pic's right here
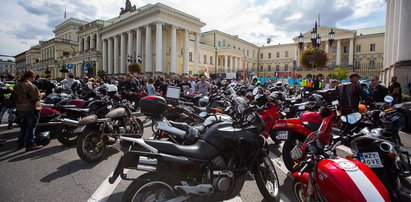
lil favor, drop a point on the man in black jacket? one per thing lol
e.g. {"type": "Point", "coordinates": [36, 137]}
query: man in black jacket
{"type": "Point", "coordinates": [378, 89]}
{"type": "Point", "coordinates": [349, 95]}
{"type": "Point", "coordinates": [128, 88]}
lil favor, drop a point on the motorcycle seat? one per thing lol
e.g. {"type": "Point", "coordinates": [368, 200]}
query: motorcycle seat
{"type": "Point", "coordinates": [198, 150]}
{"type": "Point", "coordinates": [311, 126]}
{"type": "Point", "coordinates": [186, 127]}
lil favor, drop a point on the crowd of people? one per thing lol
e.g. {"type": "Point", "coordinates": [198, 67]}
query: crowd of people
{"type": "Point", "coordinates": [23, 94]}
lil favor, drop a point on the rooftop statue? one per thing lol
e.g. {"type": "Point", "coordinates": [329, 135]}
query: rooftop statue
{"type": "Point", "coordinates": [129, 8]}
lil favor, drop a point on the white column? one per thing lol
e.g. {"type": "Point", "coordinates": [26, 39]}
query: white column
{"type": "Point", "coordinates": [387, 19]}
{"type": "Point", "coordinates": [138, 43]}
{"type": "Point", "coordinates": [185, 60]}
{"type": "Point", "coordinates": [105, 55]}
{"type": "Point", "coordinates": [116, 55]}
{"type": "Point", "coordinates": [404, 48]}
{"type": "Point", "coordinates": [149, 52]}
{"type": "Point", "coordinates": [81, 47]}
{"type": "Point", "coordinates": [338, 62]}
{"type": "Point", "coordinates": [110, 56]}
{"type": "Point", "coordinates": [85, 44]}
{"type": "Point", "coordinates": [396, 30]}
{"type": "Point", "coordinates": [159, 46]}
{"type": "Point", "coordinates": [196, 52]}
{"type": "Point", "coordinates": [164, 53]}
{"type": "Point", "coordinates": [130, 46]}
{"type": "Point", "coordinates": [92, 45]}
{"type": "Point", "coordinates": [351, 52]}
{"type": "Point", "coordinates": [389, 33]}
{"type": "Point", "coordinates": [98, 42]}
{"type": "Point", "coordinates": [123, 59]}
{"type": "Point", "coordinates": [225, 63]}
{"type": "Point", "coordinates": [173, 54]}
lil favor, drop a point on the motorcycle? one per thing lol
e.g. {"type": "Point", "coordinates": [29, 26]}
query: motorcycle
{"type": "Point", "coordinates": [214, 168]}
{"type": "Point", "coordinates": [97, 133]}
{"type": "Point", "coordinates": [322, 176]}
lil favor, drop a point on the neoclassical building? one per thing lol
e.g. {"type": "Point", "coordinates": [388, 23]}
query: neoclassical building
{"type": "Point", "coordinates": [169, 42]}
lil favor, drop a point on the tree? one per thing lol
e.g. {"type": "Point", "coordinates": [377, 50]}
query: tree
{"type": "Point", "coordinates": [313, 58]}
{"type": "Point", "coordinates": [134, 68]}
{"type": "Point", "coordinates": [101, 73]}
{"type": "Point", "coordinates": [339, 73]}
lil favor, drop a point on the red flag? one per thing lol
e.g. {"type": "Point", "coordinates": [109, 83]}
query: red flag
{"type": "Point", "coordinates": [65, 15]}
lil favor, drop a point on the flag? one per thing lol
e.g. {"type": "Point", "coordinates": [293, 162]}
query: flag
{"type": "Point", "coordinates": [65, 14]}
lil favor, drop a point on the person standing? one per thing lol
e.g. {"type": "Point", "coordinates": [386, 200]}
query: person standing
{"type": "Point", "coordinates": [394, 90]}
{"type": "Point", "coordinates": [203, 86]}
{"type": "Point", "coordinates": [192, 85]}
{"type": "Point", "coordinates": [28, 104]}
{"type": "Point", "coordinates": [48, 86]}
{"type": "Point", "coordinates": [151, 90]}
{"type": "Point", "coordinates": [377, 89]}
{"type": "Point", "coordinates": [349, 95]}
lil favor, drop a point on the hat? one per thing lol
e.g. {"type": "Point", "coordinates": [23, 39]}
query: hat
{"type": "Point", "coordinates": [355, 75]}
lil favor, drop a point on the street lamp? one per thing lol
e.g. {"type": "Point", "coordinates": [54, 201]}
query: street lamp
{"type": "Point", "coordinates": [331, 36]}
{"type": "Point", "coordinates": [301, 40]}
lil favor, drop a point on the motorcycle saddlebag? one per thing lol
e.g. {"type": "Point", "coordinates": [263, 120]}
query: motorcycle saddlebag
{"type": "Point", "coordinates": [153, 106]}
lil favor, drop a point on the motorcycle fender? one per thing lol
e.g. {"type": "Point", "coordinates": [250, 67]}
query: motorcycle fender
{"type": "Point", "coordinates": [304, 177]}
{"type": "Point", "coordinates": [292, 125]}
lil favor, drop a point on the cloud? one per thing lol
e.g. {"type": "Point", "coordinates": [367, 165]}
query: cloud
{"type": "Point", "coordinates": [25, 22]}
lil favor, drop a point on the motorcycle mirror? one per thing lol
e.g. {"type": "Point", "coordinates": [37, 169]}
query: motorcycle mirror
{"type": "Point", "coordinates": [343, 119]}
{"type": "Point", "coordinates": [255, 91]}
{"type": "Point", "coordinates": [91, 99]}
{"type": "Point", "coordinates": [203, 114]}
{"type": "Point", "coordinates": [302, 107]}
{"type": "Point", "coordinates": [307, 92]}
{"type": "Point", "coordinates": [335, 102]}
{"type": "Point", "coordinates": [388, 99]}
{"type": "Point", "coordinates": [353, 118]}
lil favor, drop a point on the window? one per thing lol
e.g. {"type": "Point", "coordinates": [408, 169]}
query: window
{"type": "Point", "coordinates": [372, 47]}
{"type": "Point", "coordinates": [211, 60]}
{"type": "Point", "coordinates": [334, 49]}
{"type": "Point", "coordinates": [261, 56]}
{"type": "Point", "coordinates": [269, 68]}
{"type": "Point", "coordinates": [223, 43]}
{"type": "Point", "coordinates": [357, 64]}
{"type": "Point", "coordinates": [333, 64]}
{"type": "Point", "coordinates": [234, 47]}
{"type": "Point", "coordinates": [286, 54]}
{"type": "Point", "coordinates": [269, 55]}
{"type": "Point", "coordinates": [248, 53]}
{"type": "Point", "coordinates": [277, 54]}
{"type": "Point", "coordinates": [219, 62]}
{"type": "Point", "coordinates": [345, 49]}
{"type": "Point", "coordinates": [277, 68]}
{"type": "Point", "coordinates": [228, 45]}
{"type": "Point", "coordinates": [371, 64]}
{"type": "Point", "coordinates": [253, 54]}
{"type": "Point", "coordinates": [219, 43]}
{"type": "Point", "coordinates": [286, 67]}
{"type": "Point", "coordinates": [190, 56]}
{"type": "Point", "coordinates": [261, 68]}
{"type": "Point", "coordinates": [358, 48]}
{"type": "Point", "coordinates": [205, 59]}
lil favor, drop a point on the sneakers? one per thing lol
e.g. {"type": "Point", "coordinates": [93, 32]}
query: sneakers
{"type": "Point", "coordinates": [33, 147]}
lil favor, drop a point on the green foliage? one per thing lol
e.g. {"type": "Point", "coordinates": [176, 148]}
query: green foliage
{"type": "Point", "coordinates": [64, 69]}
{"type": "Point", "coordinates": [313, 58]}
{"type": "Point", "coordinates": [406, 98]}
{"type": "Point", "coordinates": [101, 73]}
{"type": "Point", "coordinates": [43, 75]}
{"type": "Point", "coordinates": [339, 73]}
{"type": "Point", "coordinates": [134, 68]}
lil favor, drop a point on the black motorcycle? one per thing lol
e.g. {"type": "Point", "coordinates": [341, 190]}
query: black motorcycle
{"type": "Point", "coordinates": [214, 168]}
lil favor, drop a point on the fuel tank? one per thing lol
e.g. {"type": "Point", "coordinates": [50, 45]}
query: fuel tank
{"type": "Point", "coordinates": [349, 180]}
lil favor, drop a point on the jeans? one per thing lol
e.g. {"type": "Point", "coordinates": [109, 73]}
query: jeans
{"type": "Point", "coordinates": [28, 126]}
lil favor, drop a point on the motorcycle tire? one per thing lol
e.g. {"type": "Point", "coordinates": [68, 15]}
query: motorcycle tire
{"type": "Point", "coordinates": [298, 190]}
{"type": "Point", "coordinates": [65, 135]}
{"type": "Point", "coordinates": [139, 127]}
{"type": "Point", "coordinates": [148, 185]}
{"type": "Point", "coordinates": [262, 181]}
{"type": "Point", "coordinates": [388, 180]}
{"type": "Point", "coordinates": [84, 139]}
{"type": "Point", "coordinates": [287, 147]}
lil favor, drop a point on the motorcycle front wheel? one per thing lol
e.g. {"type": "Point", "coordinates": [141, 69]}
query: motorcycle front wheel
{"type": "Point", "coordinates": [267, 179]}
{"type": "Point", "coordinates": [90, 145]}
{"type": "Point", "coordinates": [299, 190]}
{"type": "Point", "coordinates": [148, 188]}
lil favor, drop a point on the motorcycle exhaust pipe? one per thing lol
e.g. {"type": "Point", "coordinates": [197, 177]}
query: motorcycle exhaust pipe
{"type": "Point", "coordinates": [48, 124]}
{"type": "Point", "coordinates": [146, 168]}
{"type": "Point", "coordinates": [386, 147]}
{"type": "Point", "coordinates": [69, 122]}
{"type": "Point", "coordinates": [111, 140]}
{"type": "Point", "coordinates": [147, 161]}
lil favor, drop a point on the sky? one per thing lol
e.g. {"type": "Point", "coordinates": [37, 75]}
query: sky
{"type": "Point", "coordinates": [24, 22]}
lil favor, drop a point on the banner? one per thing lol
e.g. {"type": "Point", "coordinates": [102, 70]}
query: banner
{"type": "Point", "coordinates": [69, 66]}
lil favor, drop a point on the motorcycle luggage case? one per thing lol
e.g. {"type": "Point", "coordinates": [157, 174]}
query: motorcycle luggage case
{"type": "Point", "coordinates": [153, 106]}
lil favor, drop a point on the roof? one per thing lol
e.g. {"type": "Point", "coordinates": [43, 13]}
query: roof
{"type": "Point", "coordinates": [235, 37]}
{"type": "Point", "coordinates": [372, 30]}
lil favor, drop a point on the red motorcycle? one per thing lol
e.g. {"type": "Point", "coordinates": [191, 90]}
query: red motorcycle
{"type": "Point", "coordinates": [294, 131]}
{"type": "Point", "coordinates": [322, 176]}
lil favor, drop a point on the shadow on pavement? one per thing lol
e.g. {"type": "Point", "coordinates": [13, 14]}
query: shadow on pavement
{"type": "Point", "coordinates": [114, 197]}
{"type": "Point", "coordinates": [68, 169]}
{"type": "Point", "coordinates": [275, 149]}
{"type": "Point", "coordinates": [43, 152]}
{"type": "Point", "coordinates": [287, 188]}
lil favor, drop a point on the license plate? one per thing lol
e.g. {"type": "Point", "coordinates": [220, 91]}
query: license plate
{"type": "Point", "coordinates": [79, 129]}
{"type": "Point", "coordinates": [287, 110]}
{"type": "Point", "coordinates": [371, 159]}
{"type": "Point", "coordinates": [282, 135]}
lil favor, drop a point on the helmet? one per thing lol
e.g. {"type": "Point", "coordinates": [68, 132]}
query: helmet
{"type": "Point", "coordinates": [43, 138]}
{"type": "Point", "coordinates": [319, 99]}
{"type": "Point", "coordinates": [362, 108]}
{"type": "Point", "coordinates": [202, 102]}
{"type": "Point", "coordinates": [111, 89]}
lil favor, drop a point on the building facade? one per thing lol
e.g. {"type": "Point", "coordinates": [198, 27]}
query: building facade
{"type": "Point", "coordinates": [20, 62]}
{"type": "Point", "coordinates": [7, 66]}
{"type": "Point", "coordinates": [171, 42]}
